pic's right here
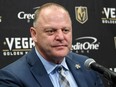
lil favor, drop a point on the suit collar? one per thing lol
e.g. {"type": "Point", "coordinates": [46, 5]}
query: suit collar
{"type": "Point", "coordinates": [76, 71]}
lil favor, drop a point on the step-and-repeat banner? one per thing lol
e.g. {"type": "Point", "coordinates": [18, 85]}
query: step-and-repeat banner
{"type": "Point", "coordinates": [94, 29]}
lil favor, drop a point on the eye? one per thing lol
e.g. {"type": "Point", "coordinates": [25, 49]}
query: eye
{"type": "Point", "coordinates": [50, 31]}
{"type": "Point", "coordinates": [65, 30]}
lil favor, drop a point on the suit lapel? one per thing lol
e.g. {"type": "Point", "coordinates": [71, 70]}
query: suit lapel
{"type": "Point", "coordinates": [76, 70]}
{"type": "Point", "coordinates": [41, 75]}
{"type": "Point", "coordinates": [38, 70]}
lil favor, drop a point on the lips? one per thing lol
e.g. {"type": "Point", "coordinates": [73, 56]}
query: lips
{"type": "Point", "coordinates": [60, 46]}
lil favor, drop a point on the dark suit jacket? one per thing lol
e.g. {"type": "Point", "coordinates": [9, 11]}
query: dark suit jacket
{"type": "Point", "coordinates": [28, 71]}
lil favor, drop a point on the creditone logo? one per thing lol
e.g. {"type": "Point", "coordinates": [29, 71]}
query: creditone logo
{"type": "Point", "coordinates": [0, 18]}
{"type": "Point", "coordinates": [115, 42]}
{"type": "Point", "coordinates": [113, 69]}
{"type": "Point", "coordinates": [85, 44]}
{"type": "Point", "coordinates": [17, 46]}
{"type": "Point", "coordinates": [25, 16]}
{"type": "Point", "coordinates": [81, 14]}
{"type": "Point", "coordinates": [109, 15]}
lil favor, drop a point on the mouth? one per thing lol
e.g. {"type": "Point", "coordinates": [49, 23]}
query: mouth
{"type": "Point", "coordinates": [60, 46]}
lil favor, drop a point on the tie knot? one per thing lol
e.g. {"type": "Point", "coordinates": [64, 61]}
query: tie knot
{"type": "Point", "coordinates": [59, 69]}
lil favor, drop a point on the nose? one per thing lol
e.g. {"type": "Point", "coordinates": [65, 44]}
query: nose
{"type": "Point", "coordinates": [60, 35]}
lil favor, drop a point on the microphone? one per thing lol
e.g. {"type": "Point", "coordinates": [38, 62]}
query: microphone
{"type": "Point", "coordinates": [108, 74]}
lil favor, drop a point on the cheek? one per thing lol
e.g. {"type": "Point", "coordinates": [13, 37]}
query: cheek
{"type": "Point", "coordinates": [44, 40]}
{"type": "Point", "coordinates": [69, 38]}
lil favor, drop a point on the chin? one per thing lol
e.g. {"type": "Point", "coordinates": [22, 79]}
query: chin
{"type": "Point", "coordinates": [60, 55]}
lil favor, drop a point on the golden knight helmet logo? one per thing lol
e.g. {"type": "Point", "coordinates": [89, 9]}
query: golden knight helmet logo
{"type": "Point", "coordinates": [81, 14]}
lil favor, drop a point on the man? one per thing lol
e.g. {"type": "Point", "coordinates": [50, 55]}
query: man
{"type": "Point", "coordinates": [52, 34]}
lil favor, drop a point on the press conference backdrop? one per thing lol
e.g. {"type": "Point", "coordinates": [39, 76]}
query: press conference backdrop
{"type": "Point", "coordinates": [94, 29]}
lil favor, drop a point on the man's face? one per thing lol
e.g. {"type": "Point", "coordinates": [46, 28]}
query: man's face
{"type": "Point", "coordinates": [53, 35]}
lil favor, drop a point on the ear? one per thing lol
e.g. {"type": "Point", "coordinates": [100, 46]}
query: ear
{"type": "Point", "coordinates": [33, 33]}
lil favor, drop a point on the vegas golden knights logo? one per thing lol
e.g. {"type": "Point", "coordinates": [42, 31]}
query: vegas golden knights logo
{"type": "Point", "coordinates": [81, 14]}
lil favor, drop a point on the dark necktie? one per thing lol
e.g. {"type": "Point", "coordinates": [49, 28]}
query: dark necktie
{"type": "Point", "coordinates": [62, 78]}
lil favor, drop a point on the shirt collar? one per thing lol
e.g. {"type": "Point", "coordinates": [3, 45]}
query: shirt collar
{"type": "Point", "coordinates": [49, 66]}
